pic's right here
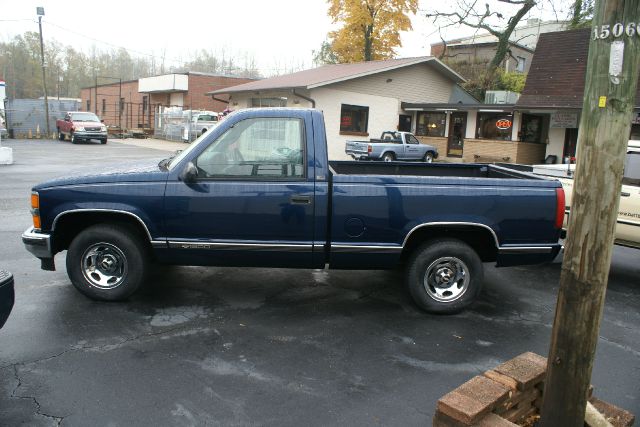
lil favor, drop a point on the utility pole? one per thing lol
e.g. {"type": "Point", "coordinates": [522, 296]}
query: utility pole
{"type": "Point", "coordinates": [40, 11]}
{"type": "Point", "coordinates": [609, 98]}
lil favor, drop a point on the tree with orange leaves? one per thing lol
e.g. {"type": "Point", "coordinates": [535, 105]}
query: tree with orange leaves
{"type": "Point", "coordinates": [371, 28]}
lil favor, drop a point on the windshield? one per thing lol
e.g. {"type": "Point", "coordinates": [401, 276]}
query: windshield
{"type": "Point", "coordinates": [175, 160]}
{"type": "Point", "coordinates": [85, 117]}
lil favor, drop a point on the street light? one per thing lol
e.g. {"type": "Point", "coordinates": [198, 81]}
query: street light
{"type": "Point", "coordinates": [40, 12]}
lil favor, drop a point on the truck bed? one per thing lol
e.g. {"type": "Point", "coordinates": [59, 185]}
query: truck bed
{"type": "Point", "coordinates": [470, 170]}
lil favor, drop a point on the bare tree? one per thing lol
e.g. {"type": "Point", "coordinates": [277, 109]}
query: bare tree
{"type": "Point", "coordinates": [473, 15]}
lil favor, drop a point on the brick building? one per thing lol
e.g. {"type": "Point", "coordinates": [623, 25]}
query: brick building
{"type": "Point", "coordinates": [554, 91]}
{"type": "Point", "coordinates": [134, 103]}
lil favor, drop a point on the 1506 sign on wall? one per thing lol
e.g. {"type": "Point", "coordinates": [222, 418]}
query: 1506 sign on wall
{"type": "Point", "coordinates": [616, 30]}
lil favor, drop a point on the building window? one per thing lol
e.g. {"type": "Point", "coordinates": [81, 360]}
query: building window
{"type": "Point", "coordinates": [268, 102]}
{"type": "Point", "coordinates": [496, 126]}
{"type": "Point", "coordinates": [144, 104]}
{"type": "Point", "coordinates": [520, 64]}
{"type": "Point", "coordinates": [431, 124]}
{"type": "Point", "coordinates": [88, 105]}
{"type": "Point", "coordinates": [104, 106]}
{"type": "Point", "coordinates": [531, 130]}
{"type": "Point", "coordinates": [354, 119]}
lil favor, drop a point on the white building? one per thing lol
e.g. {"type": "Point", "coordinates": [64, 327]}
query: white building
{"type": "Point", "coordinates": [360, 100]}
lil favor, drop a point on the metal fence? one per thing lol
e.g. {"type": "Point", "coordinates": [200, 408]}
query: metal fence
{"type": "Point", "coordinates": [26, 117]}
{"type": "Point", "coordinates": [172, 123]}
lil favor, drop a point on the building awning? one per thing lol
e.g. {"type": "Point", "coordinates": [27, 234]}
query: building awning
{"type": "Point", "coordinates": [410, 106]}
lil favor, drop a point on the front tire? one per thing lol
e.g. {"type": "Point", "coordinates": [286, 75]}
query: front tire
{"type": "Point", "coordinates": [107, 262]}
{"type": "Point", "coordinates": [428, 158]}
{"type": "Point", "coordinates": [444, 276]}
{"type": "Point", "coordinates": [103, 141]}
{"type": "Point", "coordinates": [73, 138]}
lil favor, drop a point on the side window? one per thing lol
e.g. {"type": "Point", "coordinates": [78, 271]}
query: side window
{"type": "Point", "coordinates": [632, 169]}
{"type": "Point", "coordinates": [412, 139]}
{"type": "Point", "coordinates": [259, 149]}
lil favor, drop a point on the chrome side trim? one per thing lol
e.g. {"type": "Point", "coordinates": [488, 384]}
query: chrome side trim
{"type": "Point", "coordinates": [525, 249]}
{"type": "Point", "coordinates": [435, 224]}
{"type": "Point", "coordinates": [161, 244]}
{"type": "Point", "coordinates": [627, 222]}
{"type": "Point", "coordinates": [55, 221]}
{"type": "Point", "coordinates": [39, 244]}
{"type": "Point", "coordinates": [298, 247]}
{"type": "Point", "coordinates": [340, 248]}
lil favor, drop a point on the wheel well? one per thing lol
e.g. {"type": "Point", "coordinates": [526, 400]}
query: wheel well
{"type": "Point", "coordinates": [70, 225]}
{"type": "Point", "coordinates": [479, 238]}
{"type": "Point", "coordinates": [389, 152]}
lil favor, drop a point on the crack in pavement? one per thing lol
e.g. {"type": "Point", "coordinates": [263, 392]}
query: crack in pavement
{"type": "Point", "coordinates": [56, 419]}
{"type": "Point", "coordinates": [181, 331]}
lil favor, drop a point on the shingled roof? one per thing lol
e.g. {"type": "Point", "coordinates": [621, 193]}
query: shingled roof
{"type": "Point", "coordinates": [329, 74]}
{"type": "Point", "coordinates": [557, 74]}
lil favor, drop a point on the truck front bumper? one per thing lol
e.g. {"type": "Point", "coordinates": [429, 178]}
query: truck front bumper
{"type": "Point", "coordinates": [39, 244]}
{"type": "Point", "coordinates": [90, 135]}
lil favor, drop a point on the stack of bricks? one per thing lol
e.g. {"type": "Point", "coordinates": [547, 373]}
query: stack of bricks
{"type": "Point", "coordinates": [502, 397]}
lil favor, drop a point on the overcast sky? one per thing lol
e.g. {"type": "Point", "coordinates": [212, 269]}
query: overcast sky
{"type": "Point", "coordinates": [277, 33]}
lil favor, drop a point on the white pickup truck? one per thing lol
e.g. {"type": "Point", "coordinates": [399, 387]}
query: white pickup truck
{"type": "Point", "coordinates": [628, 225]}
{"type": "Point", "coordinates": [198, 122]}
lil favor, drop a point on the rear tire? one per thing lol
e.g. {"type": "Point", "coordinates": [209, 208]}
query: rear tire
{"type": "Point", "coordinates": [444, 276]}
{"type": "Point", "coordinates": [103, 141]}
{"type": "Point", "coordinates": [388, 157]}
{"type": "Point", "coordinates": [60, 136]}
{"type": "Point", "coordinates": [107, 262]}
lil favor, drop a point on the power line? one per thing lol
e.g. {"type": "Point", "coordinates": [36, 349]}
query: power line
{"type": "Point", "coordinates": [150, 55]}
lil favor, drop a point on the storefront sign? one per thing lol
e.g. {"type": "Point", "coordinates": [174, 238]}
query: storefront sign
{"type": "Point", "coordinates": [503, 124]}
{"type": "Point", "coordinates": [561, 119]}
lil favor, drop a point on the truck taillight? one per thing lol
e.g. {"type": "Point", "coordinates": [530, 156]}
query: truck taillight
{"type": "Point", "coordinates": [369, 149]}
{"type": "Point", "coordinates": [559, 207]}
{"type": "Point", "coordinates": [35, 210]}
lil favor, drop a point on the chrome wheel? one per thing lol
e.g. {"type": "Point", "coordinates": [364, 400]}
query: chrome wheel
{"type": "Point", "coordinates": [446, 279]}
{"type": "Point", "coordinates": [104, 266]}
{"type": "Point", "coordinates": [428, 157]}
{"type": "Point", "coordinates": [388, 158]}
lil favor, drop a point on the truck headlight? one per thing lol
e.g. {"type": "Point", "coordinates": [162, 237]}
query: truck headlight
{"type": "Point", "coordinates": [103, 128]}
{"type": "Point", "coordinates": [80, 129]}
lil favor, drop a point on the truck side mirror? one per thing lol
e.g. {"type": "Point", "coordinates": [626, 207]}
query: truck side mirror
{"type": "Point", "coordinates": [189, 174]}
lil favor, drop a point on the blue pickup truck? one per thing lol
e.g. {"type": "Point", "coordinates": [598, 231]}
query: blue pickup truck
{"type": "Point", "coordinates": [259, 191]}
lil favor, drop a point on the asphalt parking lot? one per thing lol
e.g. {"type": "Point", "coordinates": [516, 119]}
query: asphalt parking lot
{"type": "Point", "coordinates": [229, 346]}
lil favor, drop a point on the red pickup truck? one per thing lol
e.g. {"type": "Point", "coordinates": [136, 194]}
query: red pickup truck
{"type": "Point", "coordinates": [81, 126]}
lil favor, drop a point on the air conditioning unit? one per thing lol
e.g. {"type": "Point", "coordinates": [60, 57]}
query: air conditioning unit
{"type": "Point", "coordinates": [500, 97]}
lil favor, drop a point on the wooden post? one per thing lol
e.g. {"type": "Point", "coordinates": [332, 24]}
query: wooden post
{"type": "Point", "coordinates": [609, 98]}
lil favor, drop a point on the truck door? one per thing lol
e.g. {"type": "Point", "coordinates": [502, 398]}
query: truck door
{"type": "Point", "coordinates": [628, 226]}
{"type": "Point", "coordinates": [412, 148]}
{"type": "Point", "coordinates": [252, 202]}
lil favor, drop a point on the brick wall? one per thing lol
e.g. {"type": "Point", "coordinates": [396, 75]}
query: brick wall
{"type": "Point", "coordinates": [108, 103]}
{"type": "Point", "coordinates": [491, 151]}
{"type": "Point", "coordinates": [201, 84]}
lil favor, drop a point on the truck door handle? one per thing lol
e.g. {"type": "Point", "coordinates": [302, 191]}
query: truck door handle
{"type": "Point", "coordinates": [300, 200]}
{"type": "Point", "coordinates": [625, 194]}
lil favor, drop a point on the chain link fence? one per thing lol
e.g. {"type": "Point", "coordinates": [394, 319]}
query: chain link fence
{"type": "Point", "coordinates": [26, 117]}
